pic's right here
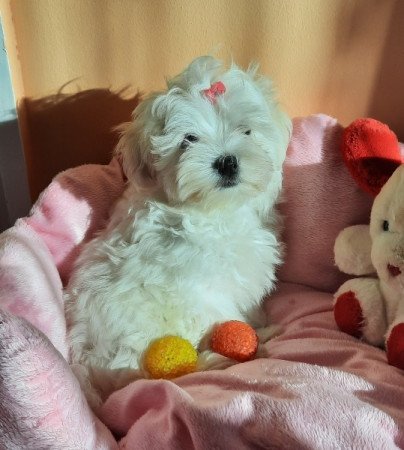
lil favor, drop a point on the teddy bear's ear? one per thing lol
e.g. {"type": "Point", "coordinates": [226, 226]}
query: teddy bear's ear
{"type": "Point", "coordinates": [371, 152]}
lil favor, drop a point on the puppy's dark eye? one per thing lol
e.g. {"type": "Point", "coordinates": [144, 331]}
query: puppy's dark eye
{"type": "Point", "coordinates": [189, 139]}
{"type": "Point", "coordinates": [385, 225]}
{"type": "Point", "coordinates": [247, 132]}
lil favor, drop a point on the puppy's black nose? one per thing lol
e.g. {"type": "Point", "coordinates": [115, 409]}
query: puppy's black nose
{"type": "Point", "coordinates": [227, 166]}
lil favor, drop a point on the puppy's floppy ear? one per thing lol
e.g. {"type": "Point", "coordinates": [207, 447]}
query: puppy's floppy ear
{"type": "Point", "coordinates": [134, 146]}
{"type": "Point", "coordinates": [198, 75]}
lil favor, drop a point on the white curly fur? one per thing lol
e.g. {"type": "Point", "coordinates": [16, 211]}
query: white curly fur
{"type": "Point", "coordinates": [182, 252]}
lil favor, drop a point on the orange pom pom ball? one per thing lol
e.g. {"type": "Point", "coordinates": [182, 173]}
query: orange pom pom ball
{"type": "Point", "coordinates": [236, 340]}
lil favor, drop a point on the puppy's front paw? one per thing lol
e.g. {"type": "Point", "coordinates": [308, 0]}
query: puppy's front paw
{"type": "Point", "coordinates": [209, 360]}
{"type": "Point", "coordinates": [206, 341]}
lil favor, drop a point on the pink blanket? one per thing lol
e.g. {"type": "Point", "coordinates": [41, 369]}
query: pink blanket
{"type": "Point", "coordinates": [317, 387]}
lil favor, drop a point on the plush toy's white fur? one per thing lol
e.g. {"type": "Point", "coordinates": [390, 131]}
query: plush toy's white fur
{"type": "Point", "coordinates": [186, 246]}
{"type": "Point", "coordinates": [375, 249]}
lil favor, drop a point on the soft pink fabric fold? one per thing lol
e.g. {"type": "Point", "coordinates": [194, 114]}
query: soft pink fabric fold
{"type": "Point", "coordinates": [316, 387]}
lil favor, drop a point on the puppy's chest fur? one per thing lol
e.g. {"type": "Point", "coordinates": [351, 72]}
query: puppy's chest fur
{"type": "Point", "coordinates": [210, 249]}
{"type": "Point", "coordinates": [167, 271]}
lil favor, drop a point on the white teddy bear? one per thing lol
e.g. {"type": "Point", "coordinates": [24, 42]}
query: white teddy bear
{"type": "Point", "coordinates": [372, 307]}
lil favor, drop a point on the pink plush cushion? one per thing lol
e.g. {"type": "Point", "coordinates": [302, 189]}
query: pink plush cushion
{"type": "Point", "coordinates": [320, 199]}
{"type": "Point", "coordinates": [316, 387]}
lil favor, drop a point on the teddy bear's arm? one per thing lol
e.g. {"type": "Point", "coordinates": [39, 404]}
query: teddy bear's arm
{"type": "Point", "coordinates": [352, 251]}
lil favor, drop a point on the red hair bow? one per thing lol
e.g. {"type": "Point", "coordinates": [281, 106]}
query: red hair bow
{"type": "Point", "coordinates": [215, 89]}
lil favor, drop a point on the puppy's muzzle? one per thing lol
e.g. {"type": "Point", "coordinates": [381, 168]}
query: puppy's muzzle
{"type": "Point", "coordinates": [227, 166]}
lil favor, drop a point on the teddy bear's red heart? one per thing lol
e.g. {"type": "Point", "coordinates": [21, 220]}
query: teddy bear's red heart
{"type": "Point", "coordinates": [371, 152]}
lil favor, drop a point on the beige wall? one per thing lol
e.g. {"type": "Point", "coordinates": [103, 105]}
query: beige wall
{"type": "Point", "coordinates": [71, 59]}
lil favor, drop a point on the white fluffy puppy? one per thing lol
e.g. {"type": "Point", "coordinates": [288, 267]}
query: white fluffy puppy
{"type": "Point", "coordinates": [193, 242]}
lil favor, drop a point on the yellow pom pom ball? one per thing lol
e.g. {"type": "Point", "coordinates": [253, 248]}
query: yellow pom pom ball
{"type": "Point", "coordinates": [170, 357]}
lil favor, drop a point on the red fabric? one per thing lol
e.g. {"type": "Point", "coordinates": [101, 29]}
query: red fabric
{"type": "Point", "coordinates": [393, 270]}
{"type": "Point", "coordinates": [371, 152]}
{"type": "Point", "coordinates": [348, 314]}
{"type": "Point", "coordinates": [395, 347]}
